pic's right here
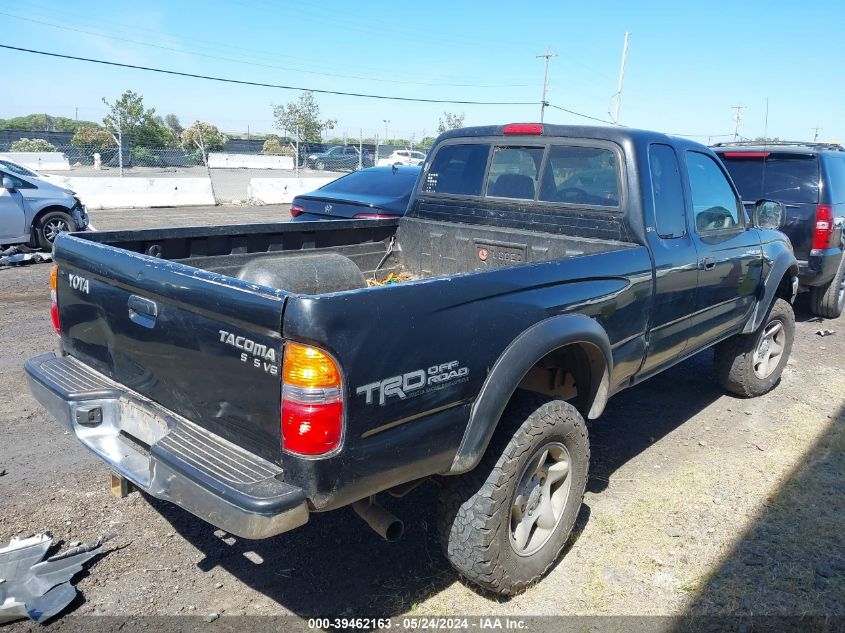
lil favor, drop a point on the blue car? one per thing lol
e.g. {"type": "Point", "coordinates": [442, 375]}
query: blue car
{"type": "Point", "coordinates": [377, 192]}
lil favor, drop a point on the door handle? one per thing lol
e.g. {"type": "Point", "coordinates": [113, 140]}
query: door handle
{"type": "Point", "coordinates": [708, 263]}
{"type": "Point", "coordinates": [142, 311]}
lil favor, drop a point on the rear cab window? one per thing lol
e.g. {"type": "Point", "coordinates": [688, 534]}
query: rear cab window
{"type": "Point", "coordinates": [552, 172]}
{"type": "Point", "coordinates": [782, 176]}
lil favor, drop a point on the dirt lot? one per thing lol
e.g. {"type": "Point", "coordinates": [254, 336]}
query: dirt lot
{"type": "Point", "coordinates": [697, 502]}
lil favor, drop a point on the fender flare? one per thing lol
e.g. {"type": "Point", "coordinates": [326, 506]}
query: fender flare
{"type": "Point", "coordinates": [512, 366]}
{"type": "Point", "coordinates": [783, 264]}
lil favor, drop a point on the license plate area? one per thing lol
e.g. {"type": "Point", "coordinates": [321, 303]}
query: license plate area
{"type": "Point", "coordinates": [140, 423]}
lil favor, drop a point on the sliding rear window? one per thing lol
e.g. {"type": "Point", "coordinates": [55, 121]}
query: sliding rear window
{"type": "Point", "coordinates": [566, 174]}
{"type": "Point", "coordinates": [458, 169]}
{"type": "Point", "coordinates": [775, 176]}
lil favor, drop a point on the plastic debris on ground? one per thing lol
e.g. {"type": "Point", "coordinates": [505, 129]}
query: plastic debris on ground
{"type": "Point", "coordinates": [31, 587]}
{"type": "Point", "coordinates": [21, 254]}
{"type": "Point", "coordinates": [390, 279]}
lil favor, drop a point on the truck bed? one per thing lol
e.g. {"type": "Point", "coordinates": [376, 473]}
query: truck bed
{"type": "Point", "coordinates": [420, 249]}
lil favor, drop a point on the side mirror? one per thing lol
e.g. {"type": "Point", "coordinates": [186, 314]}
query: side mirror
{"type": "Point", "coordinates": [768, 214]}
{"type": "Point", "coordinates": [8, 183]}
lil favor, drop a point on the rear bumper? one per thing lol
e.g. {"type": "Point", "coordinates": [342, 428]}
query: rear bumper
{"type": "Point", "coordinates": [166, 455]}
{"type": "Point", "coordinates": [820, 267]}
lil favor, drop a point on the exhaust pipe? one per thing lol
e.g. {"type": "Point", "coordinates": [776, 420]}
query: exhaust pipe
{"type": "Point", "coordinates": [385, 523]}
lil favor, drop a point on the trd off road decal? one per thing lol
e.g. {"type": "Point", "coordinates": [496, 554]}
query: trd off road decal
{"type": "Point", "coordinates": [414, 383]}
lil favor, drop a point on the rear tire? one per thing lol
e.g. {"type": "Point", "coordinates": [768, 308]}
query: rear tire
{"type": "Point", "coordinates": [536, 466]}
{"type": "Point", "coordinates": [750, 365]}
{"type": "Point", "coordinates": [50, 225]}
{"type": "Point", "coordinates": [320, 166]}
{"type": "Point", "coordinates": [828, 301]}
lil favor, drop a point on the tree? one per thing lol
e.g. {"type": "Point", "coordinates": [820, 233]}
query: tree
{"type": "Point", "coordinates": [32, 145]}
{"type": "Point", "coordinates": [301, 118]}
{"type": "Point", "coordinates": [141, 126]}
{"type": "Point", "coordinates": [95, 137]}
{"type": "Point", "coordinates": [427, 141]}
{"type": "Point", "coordinates": [204, 137]}
{"type": "Point", "coordinates": [450, 121]}
{"type": "Point", "coordinates": [273, 146]}
{"type": "Point", "coordinates": [44, 122]}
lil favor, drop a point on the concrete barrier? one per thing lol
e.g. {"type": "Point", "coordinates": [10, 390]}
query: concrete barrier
{"type": "Point", "coordinates": [217, 160]}
{"type": "Point", "coordinates": [39, 161]}
{"type": "Point", "coordinates": [282, 190]}
{"type": "Point", "coordinates": [113, 193]}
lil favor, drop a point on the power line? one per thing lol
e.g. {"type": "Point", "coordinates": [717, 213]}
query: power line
{"type": "Point", "coordinates": [253, 63]}
{"type": "Point", "coordinates": [261, 84]}
{"type": "Point", "coordinates": [585, 116]}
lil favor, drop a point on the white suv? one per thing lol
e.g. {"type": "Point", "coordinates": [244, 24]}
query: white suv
{"type": "Point", "coordinates": [404, 157]}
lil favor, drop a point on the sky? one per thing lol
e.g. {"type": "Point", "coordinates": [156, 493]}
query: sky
{"type": "Point", "coordinates": [688, 63]}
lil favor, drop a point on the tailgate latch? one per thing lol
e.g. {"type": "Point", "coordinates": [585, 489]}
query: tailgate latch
{"type": "Point", "coordinates": [142, 311]}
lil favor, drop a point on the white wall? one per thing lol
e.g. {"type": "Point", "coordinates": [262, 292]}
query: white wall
{"type": "Point", "coordinates": [111, 193]}
{"type": "Point", "coordinates": [282, 190]}
{"type": "Point", "coordinates": [249, 161]}
{"type": "Point", "coordinates": [39, 161]}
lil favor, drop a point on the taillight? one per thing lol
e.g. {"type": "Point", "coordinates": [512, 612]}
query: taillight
{"type": "Point", "coordinates": [54, 304]}
{"type": "Point", "coordinates": [312, 401]}
{"type": "Point", "coordinates": [824, 227]}
{"type": "Point", "coordinates": [296, 210]}
{"type": "Point", "coordinates": [523, 128]}
{"type": "Point", "coordinates": [372, 216]}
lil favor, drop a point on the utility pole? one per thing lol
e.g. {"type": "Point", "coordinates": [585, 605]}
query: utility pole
{"type": "Point", "coordinates": [737, 117]}
{"type": "Point", "coordinates": [547, 56]}
{"type": "Point", "coordinates": [76, 115]}
{"type": "Point", "coordinates": [386, 123]}
{"type": "Point", "coordinates": [120, 143]}
{"type": "Point", "coordinates": [816, 133]}
{"type": "Point", "coordinates": [361, 148]}
{"type": "Point", "coordinates": [618, 95]}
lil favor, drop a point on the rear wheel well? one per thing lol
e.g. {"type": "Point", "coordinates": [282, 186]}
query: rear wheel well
{"type": "Point", "coordinates": [573, 373]}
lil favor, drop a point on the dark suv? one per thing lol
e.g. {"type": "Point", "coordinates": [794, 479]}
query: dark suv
{"type": "Point", "coordinates": [809, 179]}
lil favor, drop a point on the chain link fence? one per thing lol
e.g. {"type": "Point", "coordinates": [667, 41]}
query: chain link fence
{"type": "Point", "coordinates": [314, 156]}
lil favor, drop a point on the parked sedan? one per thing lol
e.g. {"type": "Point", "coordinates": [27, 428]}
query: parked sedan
{"type": "Point", "coordinates": [378, 192]}
{"type": "Point", "coordinates": [339, 157]}
{"type": "Point", "coordinates": [34, 212]}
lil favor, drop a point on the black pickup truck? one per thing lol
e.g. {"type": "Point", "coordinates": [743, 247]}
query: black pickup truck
{"type": "Point", "coordinates": [255, 374]}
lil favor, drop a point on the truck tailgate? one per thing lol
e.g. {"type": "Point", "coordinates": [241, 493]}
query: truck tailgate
{"type": "Point", "coordinates": [205, 346]}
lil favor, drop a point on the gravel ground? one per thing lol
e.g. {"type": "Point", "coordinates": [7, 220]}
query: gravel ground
{"type": "Point", "coordinates": [697, 502]}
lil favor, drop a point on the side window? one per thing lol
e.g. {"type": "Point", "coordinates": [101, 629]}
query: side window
{"type": "Point", "coordinates": [457, 169]}
{"type": "Point", "coordinates": [514, 172]}
{"type": "Point", "coordinates": [836, 178]}
{"type": "Point", "coordinates": [581, 175]}
{"type": "Point", "coordinates": [715, 206]}
{"type": "Point", "coordinates": [667, 191]}
{"type": "Point", "coordinates": [17, 182]}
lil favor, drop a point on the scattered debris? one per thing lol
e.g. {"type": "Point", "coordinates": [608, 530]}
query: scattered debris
{"type": "Point", "coordinates": [211, 617]}
{"type": "Point", "coordinates": [2, 472]}
{"type": "Point", "coordinates": [702, 443]}
{"type": "Point", "coordinates": [36, 588]}
{"type": "Point", "coordinates": [760, 447]}
{"type": "Point", "coordinates": [674, 532]}
{"type": "Point", "coordinates": [390, 279]}
{"type": "Point", "coordinates": [21, 254]}
{"type": "Point", "coordinates": [826, 332]}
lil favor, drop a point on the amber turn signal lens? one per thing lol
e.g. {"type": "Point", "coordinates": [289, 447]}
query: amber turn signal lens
{"type": "Point", "coordinates": [306, 366]}
{"type": "Point", "coordinates": [54, 276]}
